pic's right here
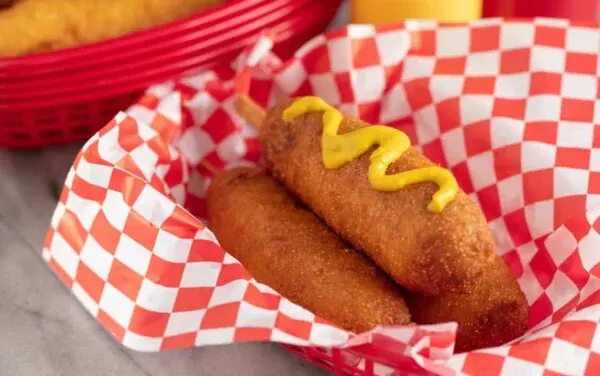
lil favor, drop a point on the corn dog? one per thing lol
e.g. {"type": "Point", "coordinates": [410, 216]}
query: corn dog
{"type": "Point", "coordinates": [34, 26]}
{"type": "Point", "coordinates": [492, 313]}
{"type": "Point", "coordinates": [286, 247]}
{"type": "Point", "coordinates": [427, 234]}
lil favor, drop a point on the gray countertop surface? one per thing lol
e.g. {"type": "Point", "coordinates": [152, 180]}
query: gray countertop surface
{"type": "Point", "coordinates": [44, 331]}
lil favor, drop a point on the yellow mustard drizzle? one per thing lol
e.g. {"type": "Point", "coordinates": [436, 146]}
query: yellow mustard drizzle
{"type": "Point", "coordinates": [341, 149]}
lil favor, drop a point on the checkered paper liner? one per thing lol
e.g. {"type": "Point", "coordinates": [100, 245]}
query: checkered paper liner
{"type": "Point", "coordinates": [511, 107]}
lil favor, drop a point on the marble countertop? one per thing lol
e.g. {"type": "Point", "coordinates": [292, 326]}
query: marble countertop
{"type": "Point", "coordinates": [44, 331]}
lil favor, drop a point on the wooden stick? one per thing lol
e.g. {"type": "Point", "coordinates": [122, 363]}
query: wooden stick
{"type": "Point", "coordinates": [210, 167]}
{"type": "Point", "coordinates": [250, 111]}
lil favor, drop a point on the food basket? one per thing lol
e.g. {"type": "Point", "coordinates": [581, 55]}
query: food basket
{"type": "Point", "coordinates": [67, 95]}
{"type": "Point", "coordinates": [510, 106]}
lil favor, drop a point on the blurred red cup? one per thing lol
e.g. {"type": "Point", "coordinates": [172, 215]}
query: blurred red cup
{"type": "Point", "coordinates": [578, 10]}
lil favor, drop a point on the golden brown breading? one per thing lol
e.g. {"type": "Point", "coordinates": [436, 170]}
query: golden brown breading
{"type": "Point", "coordinates": [31, 26]}
{"type": "Point", "coordinates": [493, 312]}
{"type": "Point", "coordinates": [7, 3]}
{"type": "Point", "coordinates": [286, 247]}
{"type": "Point", "coordinates": [424, 252]}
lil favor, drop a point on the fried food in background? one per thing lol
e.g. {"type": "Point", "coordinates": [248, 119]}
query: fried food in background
{"type": "Point", "coordinates": [425, 252]}
{"type": "Point", "coordinates": [492, 313]}
{"type": "Point", "coordinates": [286, 247]}
{"type": "Point", "coordinates": [31, 26]}
{"type": "Point", "coordinates": [6, 3]}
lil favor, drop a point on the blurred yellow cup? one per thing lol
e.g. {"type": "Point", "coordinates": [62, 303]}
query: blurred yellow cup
{"type": "Point", "coordinates": [387, 11]}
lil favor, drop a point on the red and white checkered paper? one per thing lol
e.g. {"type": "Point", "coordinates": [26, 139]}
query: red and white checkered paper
{"type": "Point", "coordinates": [511, 107]}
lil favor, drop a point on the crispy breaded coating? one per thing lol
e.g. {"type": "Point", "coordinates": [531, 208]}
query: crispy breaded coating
{"type": "Point", "coordinates": [286, 247]}
{"type": "Point", "coordinates": [493, 311]}
{"type": "Point", "coordinates": [32, 26]}
{"type": "Point", "coordinates": [7, 3]}
{"type": "Point", "coordinates": [425, 252]}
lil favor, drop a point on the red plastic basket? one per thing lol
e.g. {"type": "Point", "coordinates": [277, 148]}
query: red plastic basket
{"type": "Point", "coordinates": [170, 49]}
{"type": "Point", "coordinates": [63, 96]}
{"type": "Point", "coordinates": [356, 362]}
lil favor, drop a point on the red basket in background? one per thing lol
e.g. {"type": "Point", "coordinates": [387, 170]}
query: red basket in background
{"type": "Point", "coordinates": [67, 95]}
{"type": "Point", "coordinates": [577, 10]}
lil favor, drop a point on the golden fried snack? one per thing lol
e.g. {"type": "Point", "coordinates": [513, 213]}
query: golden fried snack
{"type": "Point", "coordinates": [31, 26]}
{"type": "Point", "coordinates": [286, 247]}
{"type": "Point", "coordinates": [6, 3]}
{"type": "Point", "coordinates": [493, 311]}
{"type": "Point", "coordinates": [424, 248]}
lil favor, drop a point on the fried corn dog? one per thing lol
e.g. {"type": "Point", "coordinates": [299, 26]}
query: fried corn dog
{"type": "Point", "coordinates": [34, 26]}
{"type": "Point", "coordinates": [286, 247]}
{"type": "Point", "coordinates": [423, 251]}
{"type": "Point", "coordinates": [492, 313]}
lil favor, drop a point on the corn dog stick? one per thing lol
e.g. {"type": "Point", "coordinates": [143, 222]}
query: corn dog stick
{"type": "Point", "coordinates": [210, 167]}
{"type": "Point", "coordinates": [250, 111]}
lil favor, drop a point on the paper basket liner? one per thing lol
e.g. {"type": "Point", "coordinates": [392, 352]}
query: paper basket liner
{"type": "Point", "coordinates": [511, 107]}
